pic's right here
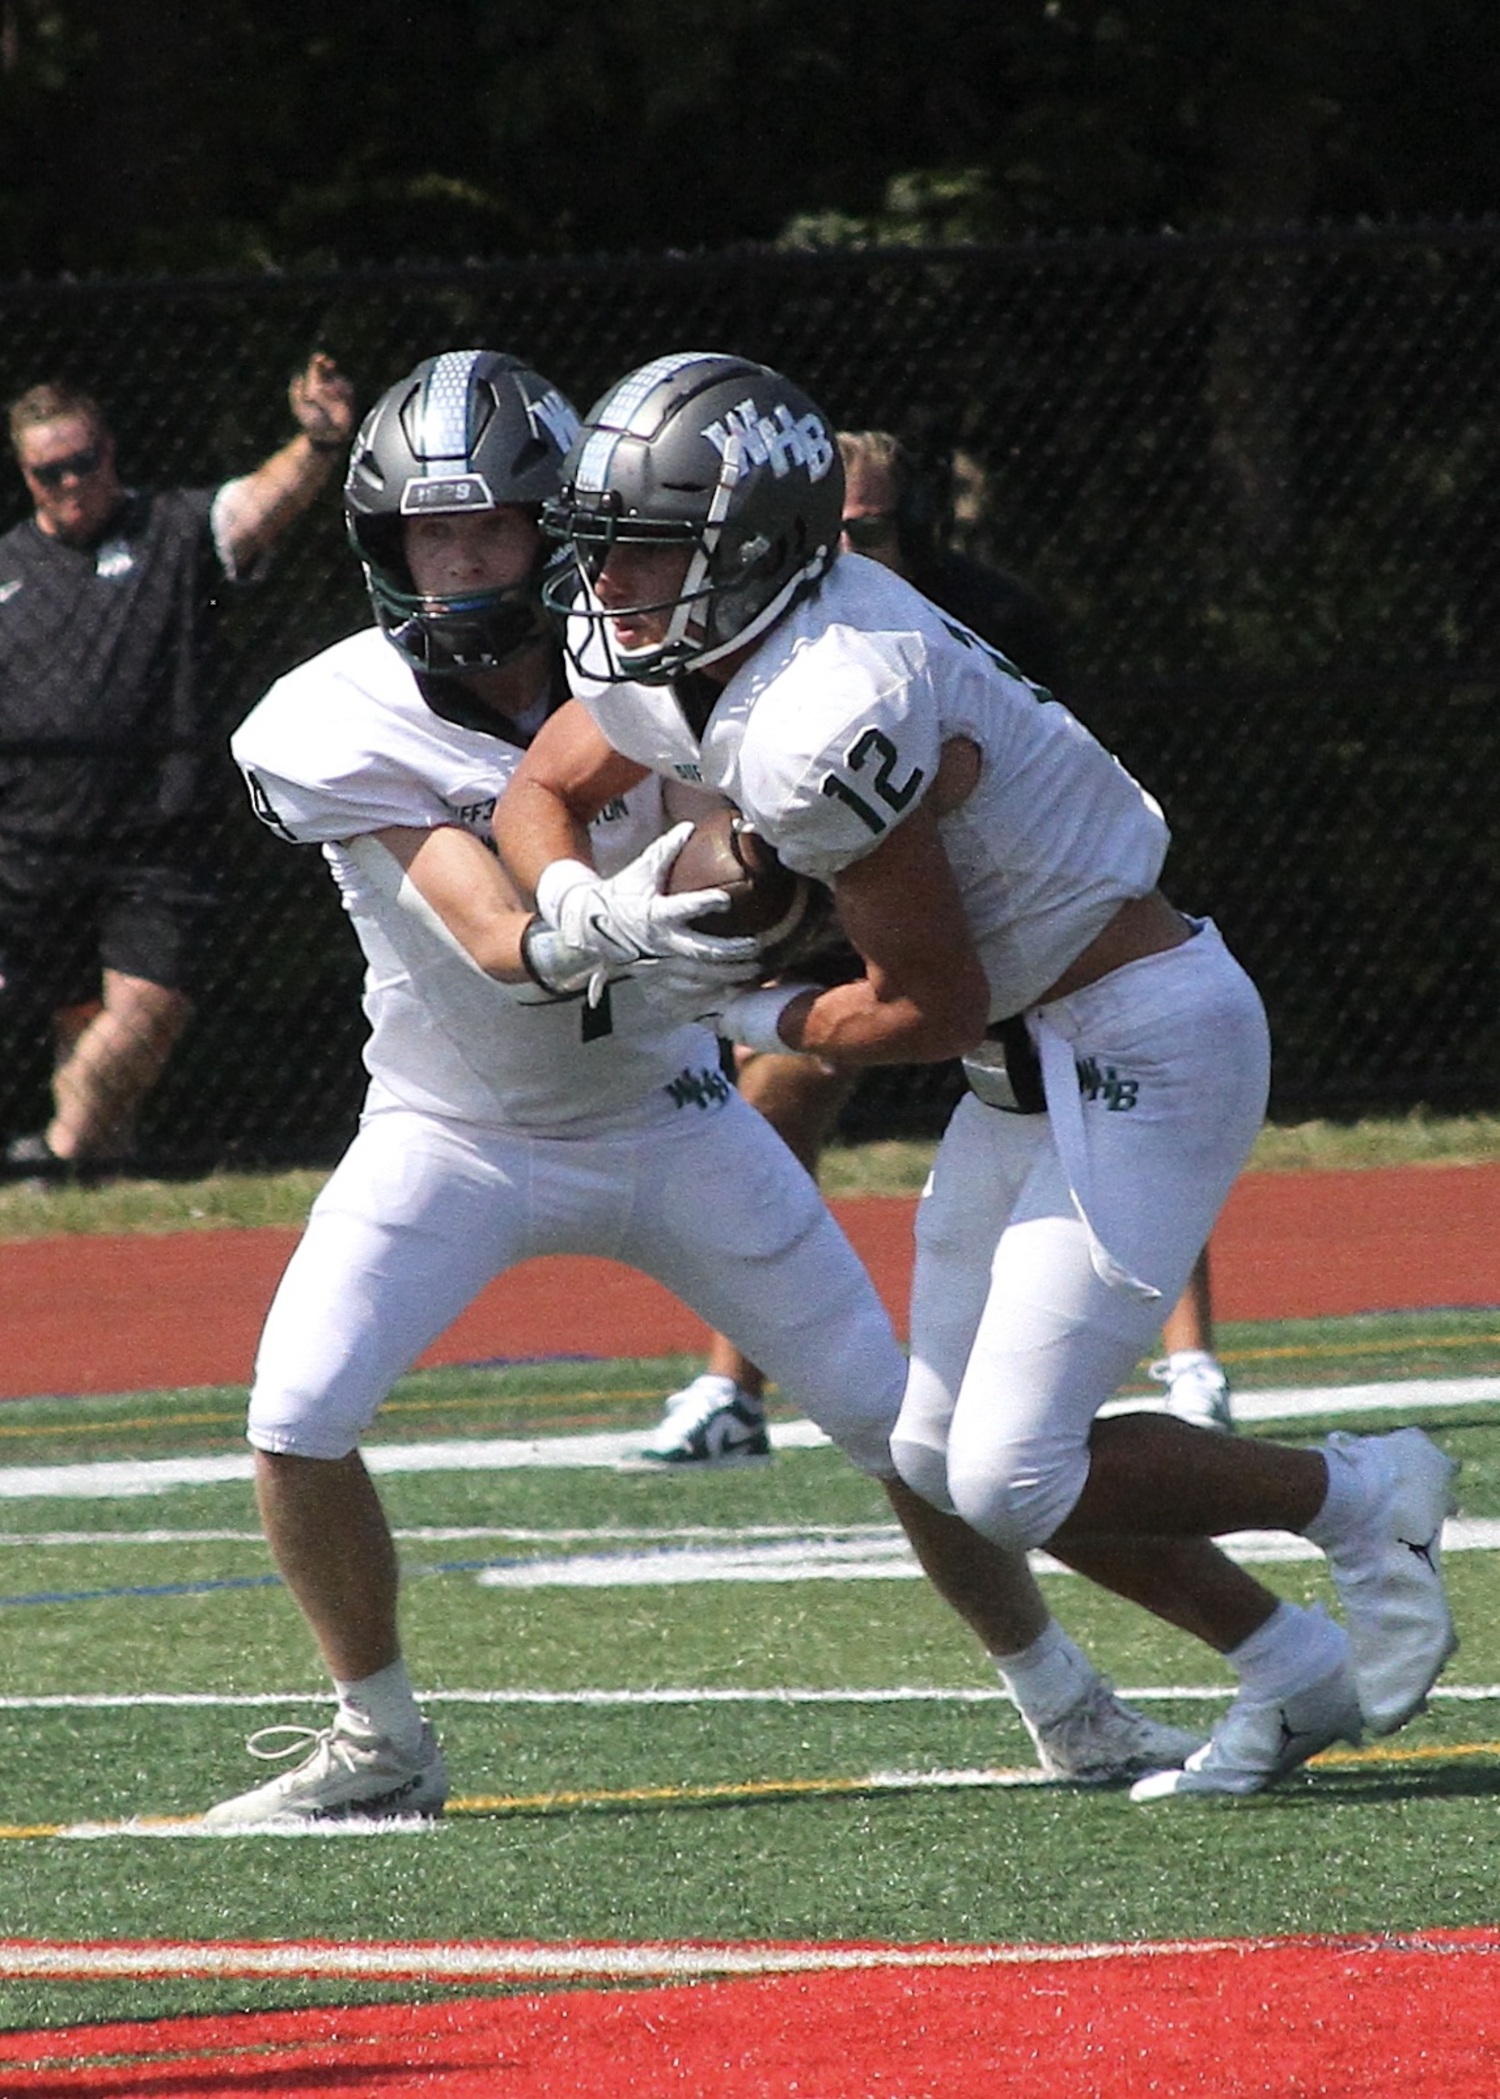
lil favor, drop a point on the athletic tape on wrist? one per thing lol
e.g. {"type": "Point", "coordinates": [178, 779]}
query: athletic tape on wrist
{"type": "Point", "coordinates": [750, 1017]}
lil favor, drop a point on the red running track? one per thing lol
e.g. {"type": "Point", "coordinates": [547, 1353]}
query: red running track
{"type": "Point", "coordinates": [117, 1314]}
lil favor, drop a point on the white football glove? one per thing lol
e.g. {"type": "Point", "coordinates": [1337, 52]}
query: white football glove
{"type": "Point", "coordinates": [625, 918]}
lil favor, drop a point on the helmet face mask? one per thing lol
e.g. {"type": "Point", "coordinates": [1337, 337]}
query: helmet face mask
{"type": "Point", "coordinates": [721, 457]}
{"type": "Point", "coordinates": [469, 431]}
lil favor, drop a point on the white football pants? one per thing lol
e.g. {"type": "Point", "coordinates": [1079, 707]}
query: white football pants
{"type": "Point", "coordinates": [1045, 1261]}
{"type": "Point", "coordinates": [421, 1214]}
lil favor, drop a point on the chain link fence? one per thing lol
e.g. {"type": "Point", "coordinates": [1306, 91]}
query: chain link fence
{"type": "Point", "coordinates": [1252, 477]}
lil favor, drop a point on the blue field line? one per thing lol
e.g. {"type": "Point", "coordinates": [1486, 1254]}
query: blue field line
{"type": "Point", "coordinates": [852, 1555]}
{"type": "Point", "coordinates": [243, 1581]}
{"type": "Point", "coordinates": [207, 1587]}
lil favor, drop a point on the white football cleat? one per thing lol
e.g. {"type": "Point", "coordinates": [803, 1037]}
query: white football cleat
{"type": "Point", "coordinates": [1389, 1576]}
{"type": "Point", "coordinates": [1102, 1741]}
{"type": "Point", "coordinates": [713, 1422]}
{"type": "Point", "coordinates": [1258, 1742]}
{"type": "Point", "coordinates": [1197, 1389]}
{"type": "Point", "coordinates": [347, 1776]}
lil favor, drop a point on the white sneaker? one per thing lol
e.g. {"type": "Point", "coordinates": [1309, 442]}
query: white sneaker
{"type": "Point", "coordinates": [1390, 1577]}
{"type": "Point", "coordinates": [1197, 1389]}
{"type": "Point", "coordinates": [1101, 1741]}
{"type": "Point", "coordinates": [712, 1422]}
{"type": "Point", "coordinates": [1258, 1742]}
{"type": "Point", "coordinates": [347, 1775]}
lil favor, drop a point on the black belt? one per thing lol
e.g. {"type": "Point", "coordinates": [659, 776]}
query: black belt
{"type": "Point", "coordinates": [1009, 1077]}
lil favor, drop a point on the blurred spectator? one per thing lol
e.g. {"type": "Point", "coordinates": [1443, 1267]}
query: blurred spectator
{"type": "Point", "coordinates": [107, 601]}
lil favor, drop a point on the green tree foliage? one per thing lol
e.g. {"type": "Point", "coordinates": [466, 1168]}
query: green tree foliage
{"type": "Point", "coordinates": [226, 134]}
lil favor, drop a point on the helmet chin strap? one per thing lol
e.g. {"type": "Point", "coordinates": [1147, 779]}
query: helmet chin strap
{"type": "Point", "coordinates": [768, 614]}
{"type": "Point", "coordinates": [698, 578]}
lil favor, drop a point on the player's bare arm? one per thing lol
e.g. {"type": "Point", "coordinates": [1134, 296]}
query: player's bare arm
{"type": "Point", "coordinates": [565, 779]}
{"type": "Point", "coordinates": [465, 885]}
{"type": "Point", "coordinates": [924, 995]}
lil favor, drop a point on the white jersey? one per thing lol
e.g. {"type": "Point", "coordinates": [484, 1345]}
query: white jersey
{"type": "Point", "coordinates": [832, 732]}
{"type": "Point", "coordinates": [344, 746]}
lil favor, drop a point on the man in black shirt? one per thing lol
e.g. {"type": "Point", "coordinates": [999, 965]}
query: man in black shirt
{"type": "Point", "coordinates": [107, 601]}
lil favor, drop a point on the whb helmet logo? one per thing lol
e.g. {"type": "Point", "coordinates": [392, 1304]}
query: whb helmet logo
{"type": "Point", "coordinates": [555, 416]}
{"type": "Point", "coordinates": [779, 440]}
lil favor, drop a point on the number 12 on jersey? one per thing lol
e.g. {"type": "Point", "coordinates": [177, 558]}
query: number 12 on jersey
{"type": "Point", "coordinates": [882, 784]}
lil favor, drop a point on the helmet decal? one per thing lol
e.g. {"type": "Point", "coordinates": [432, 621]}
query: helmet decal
{"type": "Point", "coordinates": [466, 431]}
{"type": "Point", "coordinates": [779, 440]}
{"type": "Point", "coordinates": [713, 453]}
{"type": "Point", "coordinates": [553, 418]}
{"type": "Point", "coordinates": [443, 409]}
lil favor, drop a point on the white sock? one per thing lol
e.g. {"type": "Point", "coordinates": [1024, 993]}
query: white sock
{"type": "Point", "coordinates": [383, 1704]}
{"type": "Point", "coordinates": [1047, 1678]}
{"type": "Point", "coordinates": [1290, 1651]}
{"type": "Point", "coordinates": [1192, 1359]}
{"type": "Point", "coordinates": [707, 1384]}
{"type": "Point", "coordinates": [1355, 1497]}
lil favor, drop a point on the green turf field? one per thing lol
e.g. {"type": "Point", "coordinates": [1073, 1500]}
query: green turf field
{"type": "Point", "coordinates": [821, 1756]}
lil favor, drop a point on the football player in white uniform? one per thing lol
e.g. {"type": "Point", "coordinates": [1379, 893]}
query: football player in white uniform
{"type": "Point", "coordinates": [508, 1114]}
{"type": "Point", "coordinates": [997, 869]}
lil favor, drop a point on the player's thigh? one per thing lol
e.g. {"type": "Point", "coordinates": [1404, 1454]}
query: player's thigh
{"type": "Point", "coordinates": [1054, 1341]}
{"type": "Point", "coordinates": [737, 1229]}
{"type": "Point", "coordinates": [982, 1165]}
{"type": "Point", "coordinates": [411, 1225]}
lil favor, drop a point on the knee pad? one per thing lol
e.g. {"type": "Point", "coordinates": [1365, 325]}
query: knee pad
{"type": "Point", "coordinates": [1017, 1505]}
{"type": "Point", "coordinates": [300, 1425]}
{"type": "Point", "coordinates": [925, 1470]}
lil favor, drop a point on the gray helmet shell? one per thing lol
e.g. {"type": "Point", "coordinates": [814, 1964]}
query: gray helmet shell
{"type": "Point", "coordinates": [715, 453]}
{"type": "Point", "coordinates": [469, 430]}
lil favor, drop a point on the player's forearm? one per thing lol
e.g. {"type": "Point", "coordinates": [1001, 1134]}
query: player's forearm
{"type": "Point", "coordinates": [533, 826]}
{"type": "Point", "coordinates": [255, 510]}
{"type": "Point", "coordinates": [858, 1023]}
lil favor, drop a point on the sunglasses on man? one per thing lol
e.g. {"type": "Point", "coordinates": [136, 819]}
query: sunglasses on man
{"type": "Point", "coordinates": [876, 528]}
{"type": "Point", "coordinates": [79, 464]}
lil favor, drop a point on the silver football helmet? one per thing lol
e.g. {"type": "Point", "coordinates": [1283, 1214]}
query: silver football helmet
{"type": "Point", "coordinates": [718, 455]}
{"type": "Point", "coordinates": [469, 430]}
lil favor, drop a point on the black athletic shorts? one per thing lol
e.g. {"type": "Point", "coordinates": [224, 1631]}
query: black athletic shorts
{"type": "Point", "coordinates": [63, 922]}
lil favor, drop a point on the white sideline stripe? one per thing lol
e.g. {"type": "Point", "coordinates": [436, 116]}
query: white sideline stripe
{"type": "Point", "coordinates": [1294, 1401]}
{"type": "Point", "coordinates": [889, 1558]}
{"type": "Point", "coordinates": [112, 1478]}
{"type": "Point", "coordinates": [684, 1695]}
{"type": "Point", "coordinates": [869, 1552]}
{"type": "Point", "coordinates": [474, 1533]}
{"type": "Point", "coordinates": [797, 1560]}
{"type": "Point", "coordinates": [860, 1540]}
{"type": "Point", "coordinates": [498, 1961]}
{"type": "Point", "coordinates": [128, 1476]}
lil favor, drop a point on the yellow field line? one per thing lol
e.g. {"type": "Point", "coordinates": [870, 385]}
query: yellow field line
{"type": "Point", "coordinates": [746, 1791]}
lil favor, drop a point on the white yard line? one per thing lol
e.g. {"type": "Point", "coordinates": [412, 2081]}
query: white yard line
{"type": "Point", "coordinates": [125, 1477]}
{"type": "Point", "coordinates": [679, 1695]}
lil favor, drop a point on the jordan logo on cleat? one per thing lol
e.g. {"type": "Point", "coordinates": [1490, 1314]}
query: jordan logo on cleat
{"type": "Point", "coordinates": [1420, 1551]}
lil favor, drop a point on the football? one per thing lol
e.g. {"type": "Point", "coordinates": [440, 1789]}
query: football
{"type": "Point", "coordinates": [724, 852]}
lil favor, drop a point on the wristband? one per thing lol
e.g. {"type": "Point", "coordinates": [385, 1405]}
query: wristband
{"type": "Point", "coordinates": [559, 970]}
{"type": "Point", "coordinates": [750, 1017]}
